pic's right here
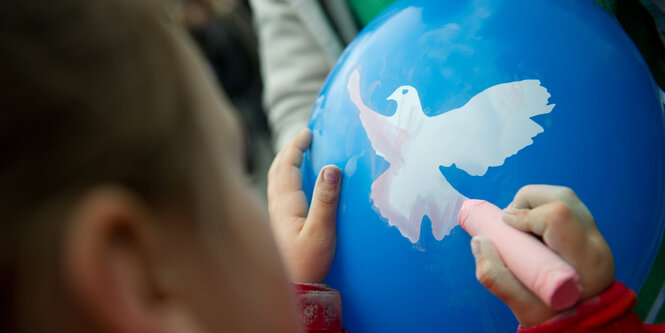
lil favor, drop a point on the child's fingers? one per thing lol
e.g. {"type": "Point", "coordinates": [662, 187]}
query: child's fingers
{"type": "Point", "coordinates": [285, 194]}
{"type": "Point", "coordinates": [556, 223]}
{"type": "Point", "coordinates": [293, 154]}
{"type": "Point", "coordinates": [568, 228]}
{"type": "Point", "coordinates": [289, 157]}
{"type": "Point", "coordinates": [323, 210]}
{"type": "Point", "coordinates": [280, 174]}
{"type": "Point", "coordinates": [492, 273]}
{"type": "Point", "coordinates": [532, 196]}
{"type": "Point", "coordinates": [579, 244]}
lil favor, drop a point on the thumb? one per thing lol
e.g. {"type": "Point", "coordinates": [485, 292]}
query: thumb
{"type": "Point", "coordinates": [492, 273]}
{"type": "Point", "coordinates": [323, 210]}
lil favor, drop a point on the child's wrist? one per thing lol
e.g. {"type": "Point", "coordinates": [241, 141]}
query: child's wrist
{"type": "Point", "coordinates": [597, 311]}
{"type": "Point", "coordinates": [319, 305]}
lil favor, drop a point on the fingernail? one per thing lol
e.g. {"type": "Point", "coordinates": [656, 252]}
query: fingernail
{"type": "Point", "coordinates": [305, 138]}
{"type": "Point", "coordinates": [508, 217]}
{"type": "Point", "coordinates": [299, 158]}
{"type": "Point", "coordinates": [331, 175]}
{"type": "Point", "coordinates": [475, 247]}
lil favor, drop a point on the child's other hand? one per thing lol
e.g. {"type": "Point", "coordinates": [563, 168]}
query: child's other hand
{"type": "Point", "coordinates": [565, 224]}
{"type": "Point", "coordinates": [306, 239]}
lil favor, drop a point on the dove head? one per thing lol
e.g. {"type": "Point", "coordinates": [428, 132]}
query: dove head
{"type": "Point", "coordinates": [405, 97]}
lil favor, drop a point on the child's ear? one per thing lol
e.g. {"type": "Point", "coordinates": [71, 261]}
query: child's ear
{"type": "Point", "coordinates": [112, 267]}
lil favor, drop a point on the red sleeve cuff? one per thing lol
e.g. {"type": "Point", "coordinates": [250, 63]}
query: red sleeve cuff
{"type": "Point", "coordinates": [610, 311]}
{"type": "Point", "coordinates": [320, 307]}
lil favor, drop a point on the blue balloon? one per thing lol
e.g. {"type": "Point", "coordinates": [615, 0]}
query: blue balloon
{"type": "Point", "coordinates": [475, 99]}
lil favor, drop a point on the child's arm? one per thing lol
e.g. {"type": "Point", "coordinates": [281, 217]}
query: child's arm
{"type": "Point", "coordinates": [567, 227]}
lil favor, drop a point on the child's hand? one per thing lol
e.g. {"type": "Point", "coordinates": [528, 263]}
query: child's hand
{"type": "Point", "coordinates": [567, 227]}
{"type": "Point", "coordinates": [306, 240]}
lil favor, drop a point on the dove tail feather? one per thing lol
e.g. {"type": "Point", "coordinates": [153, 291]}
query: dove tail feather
{"type": "Point", "coordinates": [380, 196]}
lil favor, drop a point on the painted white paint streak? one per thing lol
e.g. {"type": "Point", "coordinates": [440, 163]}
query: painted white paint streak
{"type": "Point", "coordinates": [492, 126]}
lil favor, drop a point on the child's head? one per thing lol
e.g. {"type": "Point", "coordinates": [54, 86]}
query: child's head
{"type": "Point", "coordinates": [122, 204]}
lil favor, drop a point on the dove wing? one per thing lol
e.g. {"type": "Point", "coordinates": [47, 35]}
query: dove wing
{"type": "Point", "coordinates": [383, 131]}
{"type": "Point", "coordinates": [492, 126]}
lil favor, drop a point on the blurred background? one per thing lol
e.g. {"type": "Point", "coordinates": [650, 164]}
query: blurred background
{"type": "Point", "coordinates": [224, 32]}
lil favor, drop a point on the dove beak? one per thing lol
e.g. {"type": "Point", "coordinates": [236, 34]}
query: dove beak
{"type": "Point", "coordinates": [393, 97]}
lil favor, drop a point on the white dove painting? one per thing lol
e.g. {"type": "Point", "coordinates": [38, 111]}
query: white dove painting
{"type": "Point", "coordinates": [492, 126]}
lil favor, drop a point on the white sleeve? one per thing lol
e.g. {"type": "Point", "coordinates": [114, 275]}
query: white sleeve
{"type": "Point", "coordinates": [295, 58]}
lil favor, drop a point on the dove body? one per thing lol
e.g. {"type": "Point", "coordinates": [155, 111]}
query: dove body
{"type": "Point", "coordinates": [548, 276]}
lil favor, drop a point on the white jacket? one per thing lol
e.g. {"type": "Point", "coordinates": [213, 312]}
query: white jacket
{"type": "Point", "coordinates": [299, 42]}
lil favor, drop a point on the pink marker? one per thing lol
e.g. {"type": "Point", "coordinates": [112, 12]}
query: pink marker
{"type": "Point", "coordinates": [541, 270]}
